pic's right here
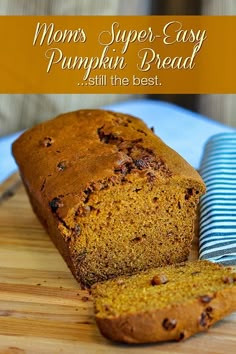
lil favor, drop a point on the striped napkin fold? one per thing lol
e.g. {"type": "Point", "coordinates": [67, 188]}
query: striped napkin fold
{"type": "Point", "coordinates": [218, 205]}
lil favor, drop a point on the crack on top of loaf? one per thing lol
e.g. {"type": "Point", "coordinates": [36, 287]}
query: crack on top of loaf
{"type": "Point", "coordinates": [109, 138]}
{"type": "Point", "coordinates": [133, 155]}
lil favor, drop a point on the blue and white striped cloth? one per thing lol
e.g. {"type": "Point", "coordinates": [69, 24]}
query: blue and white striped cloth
{"type": "Point", "coordinates": [218, 205]}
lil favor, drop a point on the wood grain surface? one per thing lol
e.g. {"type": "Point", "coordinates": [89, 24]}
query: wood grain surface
{"type": "Point", "coordinates": [43, 309]}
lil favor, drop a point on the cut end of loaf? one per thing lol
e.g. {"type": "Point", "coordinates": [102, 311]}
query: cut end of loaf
{"type": "Point", "coordinates": [131, 227]}
{"type": "Point", "coordinates": [167, 303]}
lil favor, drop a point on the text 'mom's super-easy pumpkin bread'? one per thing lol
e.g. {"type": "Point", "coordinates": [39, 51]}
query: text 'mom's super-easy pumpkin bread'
{"type": "Point", "coordinates": [167, 303]}
{"type": "Point", "coordinates": [113, 197]}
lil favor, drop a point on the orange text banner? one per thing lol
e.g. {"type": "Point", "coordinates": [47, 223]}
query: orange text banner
{"type": "Point", "coordinates": [126, 54]}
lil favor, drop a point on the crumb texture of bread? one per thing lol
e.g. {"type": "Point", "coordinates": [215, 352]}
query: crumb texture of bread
{"type": "Point", "coordinates": [167, 303]}
{"type": "Point", "coordinates": [113, 197]}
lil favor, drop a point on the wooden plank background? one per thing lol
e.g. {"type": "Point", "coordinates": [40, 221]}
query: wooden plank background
{"type": "Point", "coordinates": [43, 309]}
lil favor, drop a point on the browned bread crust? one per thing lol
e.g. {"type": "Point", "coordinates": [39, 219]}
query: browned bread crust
{"type": "Point", "coordinates": [141, 309]}
{"type": "Point", "coordinates": [113, 197]}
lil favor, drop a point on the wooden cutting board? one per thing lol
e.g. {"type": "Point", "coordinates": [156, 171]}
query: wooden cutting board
{"type": "Point", "coordinates": [43, 309]}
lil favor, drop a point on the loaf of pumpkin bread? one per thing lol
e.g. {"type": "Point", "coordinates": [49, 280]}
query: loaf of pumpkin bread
{"type": "Point", "coordinates": [113, 197]}
{"type": "Point", "coordinates": [167, 303]}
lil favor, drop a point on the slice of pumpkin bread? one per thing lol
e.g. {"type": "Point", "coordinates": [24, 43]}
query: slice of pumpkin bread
{"type": "Point", "coordinates": [166, 303]}
{"type": "Point", "coordinates": [113, 197]}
